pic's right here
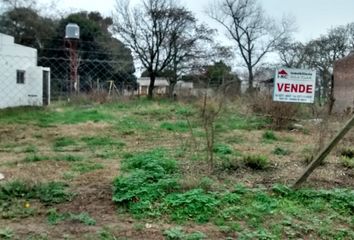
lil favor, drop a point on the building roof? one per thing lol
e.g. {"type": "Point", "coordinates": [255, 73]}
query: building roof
{"type": "Point", "coordinates": [159, 82]}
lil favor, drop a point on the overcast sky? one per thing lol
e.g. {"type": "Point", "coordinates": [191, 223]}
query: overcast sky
{"type": "Point", "coordinates": [313, 17]}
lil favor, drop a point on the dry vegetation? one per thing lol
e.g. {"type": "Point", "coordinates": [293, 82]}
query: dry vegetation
{"type": "Point", "coordinates": [82, 149]}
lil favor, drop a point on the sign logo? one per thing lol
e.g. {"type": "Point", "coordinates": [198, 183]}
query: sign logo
{"type": "Point", "coordinates": [282, 73]}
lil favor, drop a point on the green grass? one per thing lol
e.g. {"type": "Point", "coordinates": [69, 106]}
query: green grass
{"type": "Point", "coordinates": [241, 122]}
{"type": "Point", "coordinates": [97, 141]}
{"type": "Point", "coordinates": [47, 117]}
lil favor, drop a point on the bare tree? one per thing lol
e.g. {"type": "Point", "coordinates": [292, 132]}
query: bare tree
{"type": "Point", "coordinates": [254, 33]}
{"type": "Point", "coordinates": [154, 31]}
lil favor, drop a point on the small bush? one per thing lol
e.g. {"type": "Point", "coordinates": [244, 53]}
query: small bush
{"type": "Point", "coordinates": [256, 162]}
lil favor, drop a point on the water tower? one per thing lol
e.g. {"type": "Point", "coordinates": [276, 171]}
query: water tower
{"type": "Point", "coordinates": [72, 37]}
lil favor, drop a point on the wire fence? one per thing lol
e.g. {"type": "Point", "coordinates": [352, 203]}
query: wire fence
{"type": "Point", "coordinates": [26, 79]}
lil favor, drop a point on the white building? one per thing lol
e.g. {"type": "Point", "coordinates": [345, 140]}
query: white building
{"type": "Point", "coordinates": [161, 86]}
{"type": "Point", "coordinates": [22, 82]}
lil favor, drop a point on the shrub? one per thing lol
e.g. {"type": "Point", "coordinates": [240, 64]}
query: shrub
{"type": "Point", "coordinates": [256, 162]}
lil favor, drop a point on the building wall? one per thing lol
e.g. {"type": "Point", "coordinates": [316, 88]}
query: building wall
{"type": "Point", "coordinates": [344, 83]}
{"type": "Point", "coordinates": [14, 57]}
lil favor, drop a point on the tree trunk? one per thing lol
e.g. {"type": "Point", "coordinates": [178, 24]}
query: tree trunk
{"type": "Point", "coordinates": [152, 85]}
{"type": "Point", "coordinates": [250, 81]}
{"type": "Point", "coordinates": [171, 89]}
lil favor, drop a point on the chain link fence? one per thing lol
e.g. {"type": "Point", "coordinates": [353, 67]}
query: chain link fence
{"type": "Point", "coordinates": [26, 79]}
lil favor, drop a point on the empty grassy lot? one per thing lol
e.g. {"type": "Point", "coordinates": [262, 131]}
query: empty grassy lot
{"type": "Point", "coordinates": [137, 170]}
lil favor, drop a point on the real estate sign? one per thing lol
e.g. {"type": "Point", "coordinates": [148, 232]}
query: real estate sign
{"type": "Point", "coordinates": [294, 85]}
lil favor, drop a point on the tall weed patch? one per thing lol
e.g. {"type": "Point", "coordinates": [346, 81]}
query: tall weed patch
{"type": "Point", "coordinates": [149, 177]}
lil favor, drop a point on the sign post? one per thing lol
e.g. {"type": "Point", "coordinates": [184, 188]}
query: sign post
{"type": "Point", "coordinates": [294, 85]}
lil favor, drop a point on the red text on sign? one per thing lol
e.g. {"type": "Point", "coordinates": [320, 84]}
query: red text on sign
{"type": "Point", "coordinates": [294, 88]}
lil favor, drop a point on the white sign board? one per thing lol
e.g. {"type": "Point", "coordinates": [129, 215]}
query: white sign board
{"type": "Point", "coordinates": [294, 85]}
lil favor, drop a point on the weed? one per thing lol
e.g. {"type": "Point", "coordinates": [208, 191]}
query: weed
{"type": "Point", "coordinates": [82, 218]}
{"type": "Point", "coordinates": [242, 122]}
{"type": "Point", "coordinates": [149, 179]}
{"type": "Point", "coordinates": [62, 142]}
{"type": "Point", "coordinates": [30, 149]}
{"type": "Point", "coordinates": [192, 205]}
{"type": "Point", "coordinates": [177, 233]}
{"type": "Point", "coordinates": [53, 193]}
{"type": "Point", "coordinates": [69, 158]}
{"type": "Point", "coordinates": [180, 126]}
{"type": "Point", "coordinates": [101, 142]}
{"type": "Point", "coordinates": [85, 167]}
{"type": "Point", "coordinates": [281, 151]}
{"type": "Point", "coordinates": [256, 162]}
{"type": "Point", "coordinates": [54, 217]}
{"type": "Point", "coordinates": [48, 193]}
{"type": "Point", "coordinates": [269, 136]}
{"type": "Point", "coordinates": [6, 233]}
{"type": "Point", "coordinates": [347, 162]}
{"type": "Point", "coordinates": [105, 234]}
{"type": "Point", "coordinates": [347, 152]}
{"type": "Point", "coordinates": [222, 149]}
{"type": "Point", "coordinates": [229, 164]}
{"type": "Point", "coordinates": [36, 158]}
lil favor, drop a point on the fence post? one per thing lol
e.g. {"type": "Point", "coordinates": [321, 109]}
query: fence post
{"type": "Point", "coordinates": [324, 153]}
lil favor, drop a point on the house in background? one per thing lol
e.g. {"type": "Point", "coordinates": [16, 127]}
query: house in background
{"type": "Point", "coordinates": [343, 84]}
{"type": "Point", "coordinates": [22, 82]}
{"type": "Point", "coordinates": [161, 86]}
